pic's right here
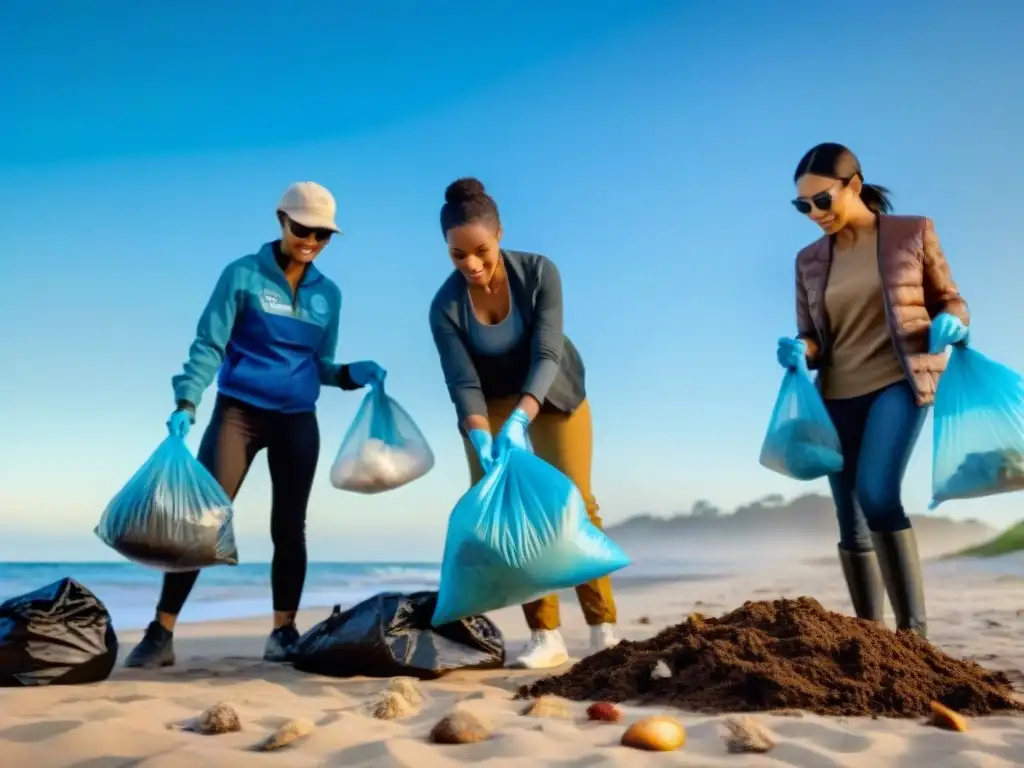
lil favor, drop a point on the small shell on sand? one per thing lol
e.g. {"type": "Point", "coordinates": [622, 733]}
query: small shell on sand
{"type": "Point", "coordinates": [747, 735]}
{"type": "Point", "coordinates": [460, 727]}
{"type": "Point", "coordinates": [549, 706]}
{"type": "Point", "coordinates": [945, 718]}
{"type": "Point", "coordinates": [408, 688]}
{"type": "Point", "coordinates": [391, 705]}
{"type": "Point", "coordinates": [291, 732]}
{"type": "Point", "coordinates": [655, 734]}
{"type": "Point", "coordinates": [604, 712]}
{"type": "Point", "coordinates": [220, 718]}
{"type": "Point", "coordinates": [661, 671]}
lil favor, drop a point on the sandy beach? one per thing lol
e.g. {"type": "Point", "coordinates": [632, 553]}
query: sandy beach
{"type": "Point", "coordinates": [128, 720]}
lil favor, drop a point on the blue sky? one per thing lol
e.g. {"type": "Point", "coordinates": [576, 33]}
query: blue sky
{"type": "Point", "coordinates": [646, 147]}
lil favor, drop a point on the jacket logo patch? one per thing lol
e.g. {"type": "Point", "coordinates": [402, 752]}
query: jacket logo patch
{"type": "Point", "coordinates": [319, 306]}
{"type": "Point", "coordinates": [273, 302]}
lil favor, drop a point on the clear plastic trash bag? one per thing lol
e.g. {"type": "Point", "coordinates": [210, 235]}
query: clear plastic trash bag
{"type": "Point", "coordinates": [519, 534]}
{"type": "Point", "coordinates": [978, 437]}
{"type": "Point", "coordinates": [382, 450]}
{"type": "Point", "coordinates": [171, 515]}
{"type": "Point", "coordinates": [801, 442]}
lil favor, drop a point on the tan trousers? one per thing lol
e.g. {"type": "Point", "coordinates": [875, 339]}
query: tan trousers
{"type": "Point", "coordinates": [566, 442]}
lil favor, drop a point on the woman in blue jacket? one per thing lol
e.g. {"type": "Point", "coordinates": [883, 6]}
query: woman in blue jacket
{"type": "Point", "coordinates": [270, 329]}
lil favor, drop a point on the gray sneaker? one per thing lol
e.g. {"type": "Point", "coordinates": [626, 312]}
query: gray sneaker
{"type": "Point", "coordinates": [281, 644]}
{"type": "Point", "coordinates": [155, 649]}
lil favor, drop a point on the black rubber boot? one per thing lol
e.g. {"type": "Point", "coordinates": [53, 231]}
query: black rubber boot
{"type": "Point", "coordinates": [864, 580]}
{"type": "Point", "coordinates": [901, 572]}
{"type": "Point", "coordinates": [155, 649]}
{"type": "Point", "coordinates": [281, 644]}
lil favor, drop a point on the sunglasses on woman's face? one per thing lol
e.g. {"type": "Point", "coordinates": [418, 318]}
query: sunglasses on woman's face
{"type": "Point", "coordinates": [822, 201]}
{"type": "Point", "coordinates": [302, 232]}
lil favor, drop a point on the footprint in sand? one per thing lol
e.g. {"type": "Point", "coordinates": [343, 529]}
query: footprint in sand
{"type": "Point", "coordinates": [824, 735]}
{"type": "Point", "coordinates": [31, 733]}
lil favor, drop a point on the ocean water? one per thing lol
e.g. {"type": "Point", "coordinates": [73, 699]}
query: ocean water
{"type": "Point", "coordinates": [130, 591]}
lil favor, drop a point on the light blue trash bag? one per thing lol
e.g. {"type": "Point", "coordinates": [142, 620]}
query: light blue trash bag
{"type": "Point", "coordinates": [382, 450]}
{"type": "Point", "coordinates": [172, 514]}
{"type": "Point", "coordinates": [519, 534]}
{"type": "Point", "coordinates": [802, 442]}
{"type": "Point", "coordinates": [978, 437]}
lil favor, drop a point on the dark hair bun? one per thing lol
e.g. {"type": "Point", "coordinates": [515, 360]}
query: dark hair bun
{"type": "Point", "coordinates": [462, 190]}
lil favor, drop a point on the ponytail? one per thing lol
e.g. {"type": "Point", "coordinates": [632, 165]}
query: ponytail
{"type": "Point", "coordinates": [878, 199]}
{"type": "Point", "coordinates": [834, 161]}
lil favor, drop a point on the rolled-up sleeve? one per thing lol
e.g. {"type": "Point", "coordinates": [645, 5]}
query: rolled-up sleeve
{"type": "Point", "coordinates": [460, 374]}
{"type": "Point", "coordinates": [548, 339]}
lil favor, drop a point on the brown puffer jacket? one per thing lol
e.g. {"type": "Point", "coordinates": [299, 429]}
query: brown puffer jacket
{"type": "Point", "coordinates": [917, 286]}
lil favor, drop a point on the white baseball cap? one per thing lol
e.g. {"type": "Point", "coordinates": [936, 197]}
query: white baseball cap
{"type": "Point", "coordinates": [310, 204]}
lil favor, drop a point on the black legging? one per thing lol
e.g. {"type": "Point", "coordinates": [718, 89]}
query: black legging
{"type": "Point", "coordinates": [237, 432]}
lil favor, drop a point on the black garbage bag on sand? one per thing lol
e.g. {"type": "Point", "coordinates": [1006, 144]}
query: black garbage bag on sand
{"type": "Point", "coordinates": [60, 634]}
{"type": "Point", "coordinates": [389, 635]}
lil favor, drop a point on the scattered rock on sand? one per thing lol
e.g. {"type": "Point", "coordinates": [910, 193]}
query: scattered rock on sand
{"type": "Point", "coordinates": [660, 671]}
{"type": "Point", "coordinates": [604, 711]}
{"type": "Point", "coordinates": [643, 620]}
{"type": "Point", "coordinates": [655, 734]}
{"type": "Point", "coordinates": [945, 718]}
{"type": "Point", "coordinates": [220, 718]}
{"type": "Point", "coordinates": [291, 732]}
{"type": "Point", "coordinates": [747, 735]}
{"type": "Point", "coordinates": [549, 706]}
{"type": "Point", "coordinates": [391, 705]}
{"type": "Point", "coordinates": [460, 727]}
{"type": "Point", "coordinates": [408, 688]}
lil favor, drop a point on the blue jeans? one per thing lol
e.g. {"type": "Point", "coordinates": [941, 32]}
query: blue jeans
{"type": "Point", "coordinates": [877, 432]}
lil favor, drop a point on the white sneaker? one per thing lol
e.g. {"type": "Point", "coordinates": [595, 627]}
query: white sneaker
{"type": "Point", "coordinates": [602, 636]}
{"type": "Point", "coordinates": [545, 649]}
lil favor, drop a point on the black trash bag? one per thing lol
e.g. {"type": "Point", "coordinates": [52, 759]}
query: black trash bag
{"type": "Point", "coordinates": [58, 635]}
{"type": "Point", "coordinates": [390, 635]}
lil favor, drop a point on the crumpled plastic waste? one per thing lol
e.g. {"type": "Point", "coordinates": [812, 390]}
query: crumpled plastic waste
{"type": "Point", "coordinates": [983, 474]}
{"type": "Point", "coordinates": [382, 450]}
{"type": "Point", "coordinates": [802, 449]}
{"type": "Point", "coordinates": [377, 466]}
{"type": "Point", "coordinates": [978, 431]}
{"type": "Point", "coordinates": [801, 441]}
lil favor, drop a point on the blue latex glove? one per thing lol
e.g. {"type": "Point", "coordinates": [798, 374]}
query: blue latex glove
{"type": "Point", "coordinates": [946, 329]}
{"type": "Point", "coordinates": [791, 352]}
{"type": "Point", "coordinates": [513, 433]}
{"type": "Point", "coordinates": [366, 372]}
{"type": "Point", "coordinates": [484, 447]}
{"type": "Point", "coordinates": [180, 423]}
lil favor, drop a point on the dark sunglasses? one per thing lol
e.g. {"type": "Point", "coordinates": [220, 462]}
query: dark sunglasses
{"type": "Point", "coordinates": [301, 231]}
{"type": "Point", "coordinates": [822, 201]}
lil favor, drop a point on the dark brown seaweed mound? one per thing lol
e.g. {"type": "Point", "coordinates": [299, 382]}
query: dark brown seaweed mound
{"type": "Point", "coordinates": [784, 654]}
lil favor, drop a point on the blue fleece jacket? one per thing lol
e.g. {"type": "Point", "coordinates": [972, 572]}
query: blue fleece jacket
{"type": "Point", "coordinates": [273, 349]}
